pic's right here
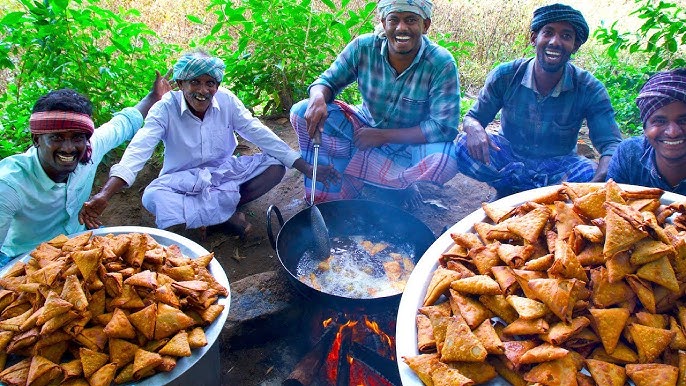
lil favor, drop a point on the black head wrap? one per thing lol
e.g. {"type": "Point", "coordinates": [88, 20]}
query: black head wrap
{"type": "Point", "coordinates": [560, 12]}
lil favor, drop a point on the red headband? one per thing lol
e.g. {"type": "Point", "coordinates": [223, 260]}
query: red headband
{"type": "Point", "coordinates": [44, 122]}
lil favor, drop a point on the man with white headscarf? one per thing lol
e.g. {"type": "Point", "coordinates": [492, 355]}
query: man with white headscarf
{"type": "Point", "coordinates": [402, 132]}
{"type": "Point", "coordinates": [201, 182]}
{"type": "Point", "coordinates": [658, 157]}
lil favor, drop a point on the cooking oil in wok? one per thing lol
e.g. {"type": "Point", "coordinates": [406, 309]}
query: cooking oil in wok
{"type": "Point", "coordinates": [359, 268]}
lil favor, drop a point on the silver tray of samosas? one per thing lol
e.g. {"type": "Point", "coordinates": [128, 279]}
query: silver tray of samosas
{"type": "Point", "coordinates": [408, 339]}
{"type": "Point", "coordinates": [188, 287]}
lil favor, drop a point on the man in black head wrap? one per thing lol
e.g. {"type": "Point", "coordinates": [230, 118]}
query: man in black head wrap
{"type": "Point", "coordinates": [658, 157]}
{"type": "Point", "coordinates": [543, 102]}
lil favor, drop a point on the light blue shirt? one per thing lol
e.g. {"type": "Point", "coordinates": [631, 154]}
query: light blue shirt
{"type": "Point", "coordinates": [34, 208]}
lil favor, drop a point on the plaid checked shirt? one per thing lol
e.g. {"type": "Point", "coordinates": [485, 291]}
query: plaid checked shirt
{"type": "Point", "coordinates": [541, 127]}
{"type": "Point", "coordinates": [425, 94]}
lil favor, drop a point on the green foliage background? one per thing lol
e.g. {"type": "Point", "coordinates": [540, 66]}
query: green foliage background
{"type": "Point", "coordinates": [53, 44]}
{"type": "Point", "coordinates": [275, 48]}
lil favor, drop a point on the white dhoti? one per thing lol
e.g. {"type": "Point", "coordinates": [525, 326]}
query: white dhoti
{"type": "Point", "coordinates": [204, 196]}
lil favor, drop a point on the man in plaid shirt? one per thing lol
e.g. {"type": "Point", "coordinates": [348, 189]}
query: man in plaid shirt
{"type": "Point", "coordinates": [403, 131]}
{"type": "Point", "coordinates": [543, 102]}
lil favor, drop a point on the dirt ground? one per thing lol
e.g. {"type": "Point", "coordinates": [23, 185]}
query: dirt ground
{"type": "Point", "coordinates": [442, 206]}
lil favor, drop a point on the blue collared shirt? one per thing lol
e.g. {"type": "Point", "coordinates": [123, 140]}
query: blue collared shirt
{"type": "Point", "coordinates": [634, 163]}
{"type": "Point", "coordinates": [427, 93]}
{"type": "Point", "coordinates": [539, 126]}
{"type": "Point", "coordinates": [34, 208]}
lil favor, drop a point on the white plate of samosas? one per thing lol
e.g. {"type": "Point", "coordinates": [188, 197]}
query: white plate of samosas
{"type": "Point", "coordinates": [127, 304]}
{"type": "Point", "coordinates": [557, 285]}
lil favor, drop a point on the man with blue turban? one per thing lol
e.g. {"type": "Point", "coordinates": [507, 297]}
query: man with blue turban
{"type": "Point", "coordinates": [202, 182]}
{"type": "Point", "coordinates": [658, 157]}
{"type": "Point", "coordinates": [543, 102]}
{"type": "Point", "coordinates": [402, 134]}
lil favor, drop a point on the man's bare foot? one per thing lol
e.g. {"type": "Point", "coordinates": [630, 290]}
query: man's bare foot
{"type": "Point", "coordinates": [236, 225]}
{"type": "Point", "coordinates": [411, 198]}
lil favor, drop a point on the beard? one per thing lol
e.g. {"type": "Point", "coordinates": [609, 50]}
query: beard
{"type": "Point", "coordinates": [553, 67]}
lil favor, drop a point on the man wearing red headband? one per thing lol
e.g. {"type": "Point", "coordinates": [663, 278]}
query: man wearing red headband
{"type": "Point", "coordinates": [43, 189]}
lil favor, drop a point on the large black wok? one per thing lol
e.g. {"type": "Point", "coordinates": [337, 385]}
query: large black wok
{"type": "Point", "coordinates": [347, 218]}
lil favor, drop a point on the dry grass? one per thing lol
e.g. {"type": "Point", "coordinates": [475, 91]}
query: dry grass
{"type": "Point", "coordinates": [499, 29]}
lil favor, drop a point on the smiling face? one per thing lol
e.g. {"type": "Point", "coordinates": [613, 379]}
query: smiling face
{"type": "Point", "coordinates": [404, 32]}
{"type": "Point", "coordinates": [198, 93]}
{"type": "Point", "coordinates": [59, 153]}
{"type": "Point", "coordinates": [555, 43]}
{"type": "Point", "coordinates": [666, 132]}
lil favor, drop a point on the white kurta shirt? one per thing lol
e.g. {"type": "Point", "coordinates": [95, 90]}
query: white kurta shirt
{"type": "Point", "coordinates": [190, 143]}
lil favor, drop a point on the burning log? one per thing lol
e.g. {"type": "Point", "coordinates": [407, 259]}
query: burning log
{"type": "Point", "coordinates": [307, 370]}
{"type": "Point", "coordinates": [343, 369]}
{"type": "Point", "coordinates": [384, 369]}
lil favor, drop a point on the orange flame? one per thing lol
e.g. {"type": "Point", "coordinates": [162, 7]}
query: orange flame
{"type": "Point", "coordinates": [357, 372]}
{"type": "Point", "coordinates": [374, 326]}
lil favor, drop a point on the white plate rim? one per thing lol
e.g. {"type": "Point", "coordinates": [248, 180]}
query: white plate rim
{"type": "Point", "coordinates": [190, 249]}
{"type": "Point", "coordinates": [413, 295]}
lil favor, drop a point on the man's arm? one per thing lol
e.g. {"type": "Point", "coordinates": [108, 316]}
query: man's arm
{"type": "Point", "coordinates": [326, 174]}
{"type": "Point", "coordinates": [368, 137]}
{"type": "Point", "coordinates": [601, 172]}
{"type": "Point", "coordinates": [93, 208]}
{"type": "Point", "coordinates": [316, 112]}
{"type": "Point", "coordinates": [600, 118]}
{"type": "Point", "coordinates": [489, 102]}
{"type": "Point", "coordinates": [9, 206]}
{"type": "Point", "coordinates": [478, 141]}
{"type": "Point", "coordinates": [160, 87]}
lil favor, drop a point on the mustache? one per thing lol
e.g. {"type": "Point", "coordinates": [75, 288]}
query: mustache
{"type": "Point", "coordinates": [197, 94]}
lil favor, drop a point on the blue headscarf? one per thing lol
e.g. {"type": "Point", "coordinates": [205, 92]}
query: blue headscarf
{"type": "Point", "coordinates": [191, 66]}
{"type": "Point", "coordinates": [422, 8]}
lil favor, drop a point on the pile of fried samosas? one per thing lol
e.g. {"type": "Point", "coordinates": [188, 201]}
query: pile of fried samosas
{"type": "Point", "coordinates": [581, 286]}
{"type": "Point", "coordinates": [92, 310]}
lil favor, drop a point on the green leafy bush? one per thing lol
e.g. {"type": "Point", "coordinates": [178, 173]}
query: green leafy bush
{"type": "Point", "coordinates": [51, 44]}
{"type": "Point", "coordinates": [659, 43]}
{"type": "Point", "coordinates": [662, 36]}
{"type": "Point", "coordinates": [274, 49]}
{"type": "Point", "coordinates": [623, 81]}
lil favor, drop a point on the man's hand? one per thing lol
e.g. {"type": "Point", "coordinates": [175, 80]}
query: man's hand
{"type": "Point", "coordinates": [161, 85]}
{"type": "Point", "coordinates": [326, 174]}
{"type": "Point", "coordinates": [367, 137]}
{"type": "Point", "coordinates": [91, 211]}
{"type": "Point", "coordinates": [601, 172]}
{"type": "Point", "coordinates": [478, 141]}
{"type": "Point", "coordinates": [317, 112]}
